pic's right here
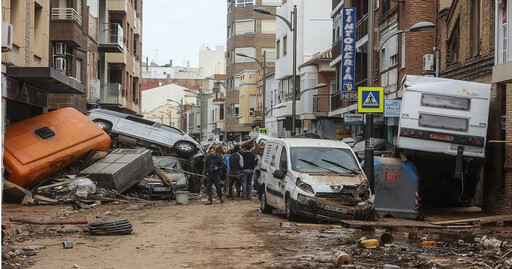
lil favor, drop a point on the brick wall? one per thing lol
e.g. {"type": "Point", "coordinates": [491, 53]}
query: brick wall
{"type": "Point", "coordinates": [77, 101]}
{"type": "Point", "coordinates": [416, 44]}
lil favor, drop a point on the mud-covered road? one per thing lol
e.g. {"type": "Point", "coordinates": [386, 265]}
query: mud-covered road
{"type": "Point", "coordinates": [230, 235]}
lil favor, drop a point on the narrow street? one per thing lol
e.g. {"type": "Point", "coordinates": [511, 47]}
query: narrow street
{"type": "Point", "coordinates": [231, 235]}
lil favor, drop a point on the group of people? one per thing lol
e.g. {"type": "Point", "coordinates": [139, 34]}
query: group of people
{"type": "Point", "coordinates": [242, 171]}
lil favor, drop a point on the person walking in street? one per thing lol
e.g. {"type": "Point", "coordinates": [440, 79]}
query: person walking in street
{"type": "Point", "coordinates": [257, 171]}
{"type": "Point", "coordinates": [249, 165]}
{"type": "Point", "coordinates": [214, 164]}
{"type": "Point", "coordinates": [236, 163]}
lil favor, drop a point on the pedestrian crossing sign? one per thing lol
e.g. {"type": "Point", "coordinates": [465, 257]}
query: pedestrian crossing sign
{"type": "Point", "coordinates": [371, 100]}
{"type": "Point", "coordinates": [263, 131]}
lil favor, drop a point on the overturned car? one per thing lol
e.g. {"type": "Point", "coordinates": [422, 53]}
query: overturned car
{"type": "Point", "coordinates": [314, 178]}
{"type": "Point", "coordinates": [129, 131]}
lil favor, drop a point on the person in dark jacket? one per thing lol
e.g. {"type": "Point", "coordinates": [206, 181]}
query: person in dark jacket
{"type": "Point", "coordinates": [236, 163]}
{"type": "Point", "coordinates": [213, 166]}
{"type": "Point", "coordinates": [248, 169]}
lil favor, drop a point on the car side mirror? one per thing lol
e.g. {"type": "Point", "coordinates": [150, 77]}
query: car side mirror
{"type": "Point", "coordinates": [279, 174]}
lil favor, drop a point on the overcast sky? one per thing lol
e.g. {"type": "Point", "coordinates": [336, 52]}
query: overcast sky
{"type": "Point", "coordinates": [177, 28]}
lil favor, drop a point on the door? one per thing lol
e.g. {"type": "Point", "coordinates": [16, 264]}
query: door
{"type": "Point", "coordinates": [166, 135]}
{"type": "Point", "coordinates": [272, 164]}
{"type": "Point", "coordinates": [275, 187]}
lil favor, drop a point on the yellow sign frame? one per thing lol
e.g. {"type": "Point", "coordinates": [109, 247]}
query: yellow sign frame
{"type": "Point", "coordinates": [360, 100]}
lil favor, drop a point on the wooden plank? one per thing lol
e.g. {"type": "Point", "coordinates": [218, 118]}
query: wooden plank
{"type": "Point", "coordinates": [163, 176]}
{"type": "Point", "coordinates": [465, 221]}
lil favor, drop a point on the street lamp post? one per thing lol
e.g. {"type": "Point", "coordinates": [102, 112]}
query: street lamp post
{"type": "Point", "coordinates": [263, 65]}
{"type": "Point", "coordinates": [181, 110]}
{"type": "Point", "coordinates": [293, 28]}
{"type": "Point", "coordinates": [200, 96]}
{"type": "Point", "coordinates": [168, 114]}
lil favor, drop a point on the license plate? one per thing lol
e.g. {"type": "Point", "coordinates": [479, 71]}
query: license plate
{"type": "Point", "coordinates": [335, 209]}
{"type": "Point", "coordinates": [442, 137]}
{"type": "Point", "coordinates": [161, 189]}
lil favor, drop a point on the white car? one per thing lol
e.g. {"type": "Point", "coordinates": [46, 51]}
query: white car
{"type": "Point", "coordinates": [135, 131]}
{"type": "Point", "coordinates": [314, 178]}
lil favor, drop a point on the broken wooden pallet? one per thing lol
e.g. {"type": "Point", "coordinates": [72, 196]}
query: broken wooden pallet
{"type": "Point", "coordinates": [491, 221]}
{"type": "Point", "coordinates": [389, 224]}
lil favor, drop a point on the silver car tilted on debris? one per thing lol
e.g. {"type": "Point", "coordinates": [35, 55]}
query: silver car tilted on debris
{"type": "Point", "coordinates": [132, 130]}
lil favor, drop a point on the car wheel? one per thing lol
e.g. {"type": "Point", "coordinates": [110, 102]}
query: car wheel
{"type": "Point", "coordinates": [185, 148]}
{"type": "Point", "coordinates": [289, 213]}
{"type": "Point", "coordinates": [104, 125]}
{"type": "Point", "coordinates": [265, 208]}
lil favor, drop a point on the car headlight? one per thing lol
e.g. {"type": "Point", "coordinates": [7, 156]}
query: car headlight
{"type": "Point", "coordinates": [303, 199]}
{"type": "Point", "coordinates": [304, 186]}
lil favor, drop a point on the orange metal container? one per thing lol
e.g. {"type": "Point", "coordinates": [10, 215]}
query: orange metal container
{"type": "Point", "coordinates": [41, 146]}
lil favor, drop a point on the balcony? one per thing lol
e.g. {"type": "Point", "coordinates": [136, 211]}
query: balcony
{"type": "Point", "coordinates": [136, 66]}
{"type": "Point", "coordinates": [336, 49]}
{"type": "Point", "coordinates": [111, 93]}
{"type": "Point", "coordinates": [67, 14]}
{"type": "Point", "coordinates": [66, 26]}
{"type": "Point", "coordinates": [93, 27]}
{"type": "Point", "coordinates": [119, 6]}
{"type": "Point", "coordinates": [362, 27]}
{"type": "Point", "coordinates": [116, 58]}
{"type": "Point", "coordinates": [111, 38]}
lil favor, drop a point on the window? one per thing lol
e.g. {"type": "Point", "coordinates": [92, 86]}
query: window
{"type": "Point", "coordinates": [237, 110]}
{"type": "Point", "coordinates": [243, 3]}
{"type": "Point", "coordinates": [386, 5]}
{"type": "Point", "coordinates": [285, 42]}
{"type": "Point", "coordinates": [244, 27]}
{"type": "Point", "coordinates": [402, 58]}
{"type": "Point", "coordinates": [283, 162]}
{"type": "Point", "coordinates": [475, 28]}
{"type": "Point", "coordinates": [247, 51]}
{"type": "Point", "coordinates": [450, 102]}
{"type": "Point", "coordinates": [389, 52]}
{"type": "Point", "coordinates": [252, 104]}
{"type": "Point", "coordinates": [236, 82]}
{"type": "Point", "coordinates": [198, 120]}
{"type": "Point", "coordinates": [452, 56]}
{"type": "Point", "coordinates": [229, 31]}
{"type": "Point", "coordinates": [272, 3]}
{"type": "Point", "coordinates": [268, 26]}
{"type": "Point", "coordinates": [443, 122]}
{"type": "Point", "coordinates": [78, 74]}
{"type": "Point", "coordinates": [270, 54]}
{"type": "Point", "coordinates": [221, 112]}
{"type": "Point", "coordinates": [278, 49]}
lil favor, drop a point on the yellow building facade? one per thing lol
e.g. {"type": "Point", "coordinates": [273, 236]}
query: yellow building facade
{"type": "Point", "coordinates": [247, 97]}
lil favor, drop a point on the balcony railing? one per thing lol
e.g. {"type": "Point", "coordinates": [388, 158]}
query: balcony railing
{"type": "Point", "coordinates": [362, 27]}
{"type": "Point", "coordinates": [336, 48]}
{"type": "Point", "coordinates": [111, 37]}
{"type": "Point", "coordinates": [321, 102]}
{"type": "Point", "coordinates": [93, 27]}
{"type": "Point", "coordinates": [66, 14]}
{"type": "Point", "coordinates": [111, 93]}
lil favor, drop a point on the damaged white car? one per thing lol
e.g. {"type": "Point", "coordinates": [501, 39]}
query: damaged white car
{"type": "Point", "coordinates": [314, 178]}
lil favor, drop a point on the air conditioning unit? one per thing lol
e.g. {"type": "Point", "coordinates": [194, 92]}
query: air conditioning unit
{"type": "Point", "coordinates": [60, 48]}
{"type": "Point", "coordinates": [60, 64]}
{"type": "Point", "coordinates": [428, 63]}
{"type": "Point", "coordinates": [7, 32]}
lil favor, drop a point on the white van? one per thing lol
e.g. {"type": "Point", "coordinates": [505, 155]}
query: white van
{"type": "Point", "coordinates": [313, 178]}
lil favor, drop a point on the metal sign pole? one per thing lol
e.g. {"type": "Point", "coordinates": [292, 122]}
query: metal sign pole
{"type": "Point", "coordinates": [368, 151]}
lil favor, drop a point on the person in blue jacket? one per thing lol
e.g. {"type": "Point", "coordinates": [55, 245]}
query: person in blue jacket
{"type": "Point", "coordinates": [214, 164]}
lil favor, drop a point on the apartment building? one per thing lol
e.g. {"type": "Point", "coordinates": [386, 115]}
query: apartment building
{"type": "Point", "coordinates": [248, 33]}
{"type": "Point", "coordinates": [247, 97]}
{"type": "Point", "coordinates": [29, 74]}
{"type": "Point", "coordinates": [216, 123]}
{"type": "Point", "coordinates": [498, 185]}
{"type": "Point", "coordinates": [122, 88]}
{"type": "Point", "coordinates": [314, 28]}
{"type": "Point", "coordinates": [407, 53]}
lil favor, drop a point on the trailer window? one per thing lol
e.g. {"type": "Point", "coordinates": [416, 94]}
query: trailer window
{"type": "Point", "coordinates": [451, 102]}
{"type": "Point", "coordinates": [443, 122]}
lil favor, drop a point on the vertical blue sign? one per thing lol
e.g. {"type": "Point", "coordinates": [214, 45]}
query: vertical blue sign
{"type": "Point", "coordinates": [348, 55]}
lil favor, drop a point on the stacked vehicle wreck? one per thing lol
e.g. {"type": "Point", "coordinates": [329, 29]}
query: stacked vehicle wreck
{"type": "Point", "coordinates": [64, 156]}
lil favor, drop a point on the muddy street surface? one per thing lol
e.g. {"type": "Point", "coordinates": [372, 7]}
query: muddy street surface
{"type": "Point", "coordinates": [230, 235]}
